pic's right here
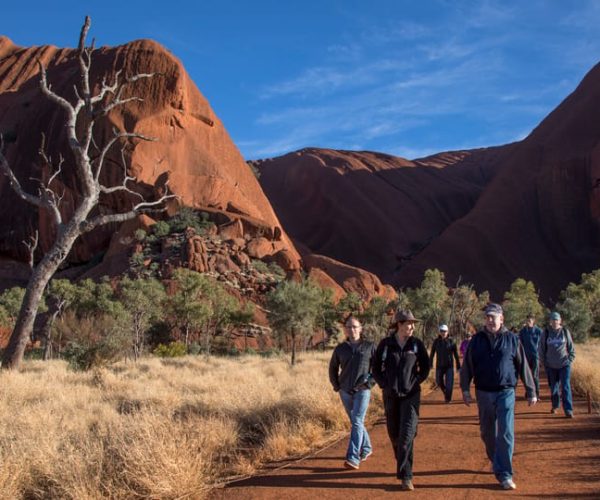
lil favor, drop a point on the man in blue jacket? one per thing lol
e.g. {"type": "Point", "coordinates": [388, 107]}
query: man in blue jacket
{"type": "Point", "coordinates": [495, 358]}
{"type": "Point", "coordinates": [530, 338]}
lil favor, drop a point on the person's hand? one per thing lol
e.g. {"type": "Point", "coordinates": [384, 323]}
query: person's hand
{"type": "Point", "coordinates": [467, 399]}
{"type": "Point", "coordinates": [532, 400]}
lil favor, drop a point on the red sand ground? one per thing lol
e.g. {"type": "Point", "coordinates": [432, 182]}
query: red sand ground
{"type": "Point", "coordinates": [554, 458]}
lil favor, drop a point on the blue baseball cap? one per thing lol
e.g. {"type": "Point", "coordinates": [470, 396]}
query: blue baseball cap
{"type": "Point", "coordinates": [493, 309]}
{"type": "Point", "coordinates": [555, 315]}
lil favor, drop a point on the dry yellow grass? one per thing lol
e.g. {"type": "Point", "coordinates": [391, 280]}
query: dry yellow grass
{"type": "Point", "coordinates": [586, 370]}
{"type": "Point", "coordinates": [159, 428]}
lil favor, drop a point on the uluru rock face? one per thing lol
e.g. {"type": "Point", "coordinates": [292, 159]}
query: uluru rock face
{"type": "Point", "coordinates": [371, 210]}
{"type": "Point", "coordinates": [192, 148]}
{"type": "Point", "coordinates": [529, 209]}
{"type": "Point", "coordinates": [539, 218]}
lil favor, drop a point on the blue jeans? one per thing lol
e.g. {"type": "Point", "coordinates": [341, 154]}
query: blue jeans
{"type": "Point", "coordinates": [533, 363]}
{"type": "Point", "coordinates": [497, 426]}
{"type": "Point", "coordinates": [444, 378]}
{"type": "Point", "coordinates": [356, 407]}
{"type": "Point", "coordinates": [561, 376]}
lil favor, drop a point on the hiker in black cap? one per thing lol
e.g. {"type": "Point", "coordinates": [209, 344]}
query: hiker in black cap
{"type": "Point", "coordinates": [401, 364]}
{"type": "Point", "coordinates": [495, 357]}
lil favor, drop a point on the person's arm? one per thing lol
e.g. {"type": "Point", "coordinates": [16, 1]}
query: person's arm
{"type": "Point", "coordinates": [570, 346]}
{"type": "Point", "coordinates": [455, 353]}
{"type": "Point", "coordinates": [334, 368]}
{"type": "Point", "coordinates": [378, 365]}
{"type": "Point", "coordinates": [433, 348]}
{"type": "Point", "coordinates": [466, 375]}
{"type": "Point", "coordinates": [542, 347]}
{"type": "Point", "coordinates": [423, 362]}
{"type": "Point", "coordinates": [525, 373]}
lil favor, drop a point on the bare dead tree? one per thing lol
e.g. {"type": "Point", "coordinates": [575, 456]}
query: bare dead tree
{"type": "Point", "coordinates": [89, 159]}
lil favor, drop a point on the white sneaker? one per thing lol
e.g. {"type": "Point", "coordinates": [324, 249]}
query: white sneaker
{"type": "Point", "coordinates": [508, 484]}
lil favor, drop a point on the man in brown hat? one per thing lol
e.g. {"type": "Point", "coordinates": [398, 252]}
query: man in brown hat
{"type": "Point", "coordinates": [401, 364]}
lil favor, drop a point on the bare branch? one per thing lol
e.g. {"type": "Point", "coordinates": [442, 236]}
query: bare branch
{"type": "Point", "coordinates": [14, 182]}
{"type": "Point", "coordinates": [31, 246]}
{"type": "Point", "coordinates": [47, 91]}
{"type": "Point", "coordinates": [143, 207]}
{"type": "Point", "coordinates": [123, 186]}
{"type": "Point", "coordinates": [139, 76]}
{"type": "Point", "coordinates": [110, 144]}
{"type": "Point", "coordinates": [84, 31]}
{"type": "Point", "coordinates": [120, 102]}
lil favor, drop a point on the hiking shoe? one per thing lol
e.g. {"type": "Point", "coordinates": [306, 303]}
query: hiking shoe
{"type": "Point", "coordinates": [569, 414]}
{"type": "Point", "coordinates": [406, 485]}
{"type": "Point", "coordinates": [351, 465]}
{"type": "Point", "coordinates": [508, 484]}
{"type": "Point", "coordinates": [553, 410]}
{"type": "Point", "coordinates": [366, 455]}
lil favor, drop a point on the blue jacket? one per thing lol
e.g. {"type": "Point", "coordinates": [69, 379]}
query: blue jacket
{"type": "Point", "coordinates": [495, 363]}
{"type": "Point", "coordinates": [530, 338]}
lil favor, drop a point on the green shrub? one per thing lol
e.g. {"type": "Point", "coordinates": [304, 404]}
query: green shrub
{"type": "Point", "coordinates": [195, 348]}
{"type": "Point", "coordinates": [171, 350]}
{"type": "Point", "coordinates": [94, 340]}
{"type": "Point", "coordinates": [188, 217]}
{"type": "Point", "coordinates": [139, 235]}
{"type": "Point", "coordinates": [161, 228]}
{"type": "Point", "coordinates": [261, 267]}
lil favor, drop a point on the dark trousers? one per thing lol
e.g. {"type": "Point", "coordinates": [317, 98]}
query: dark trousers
{"type": "Point", "coordinates": [444, 378]}
{"type": "Point", "coordinates": [534, 366]}
{"type": "Point", "coordinates": [402, 417]}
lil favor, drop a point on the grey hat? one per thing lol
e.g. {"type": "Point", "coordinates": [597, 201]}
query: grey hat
{"type": "Point", "coordinates": [555, 315]}
{"type": "Point", "coordinates": [443, 328]}
{"type": "Point", "coordinates": [402, 316]}
{"type": "Point", "coordinates": [493, 309]}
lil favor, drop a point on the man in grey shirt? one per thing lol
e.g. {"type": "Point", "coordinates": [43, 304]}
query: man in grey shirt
{"type": "Point", "coordinates": [557, 354]}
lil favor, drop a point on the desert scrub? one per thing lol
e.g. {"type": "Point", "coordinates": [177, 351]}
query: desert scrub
{"type": "Point", "coordinates": [159, 428]}
{"type": "Point", "coordinates": [585, 375]}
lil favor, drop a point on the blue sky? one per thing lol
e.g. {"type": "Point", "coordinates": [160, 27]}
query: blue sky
{"type": "Point", "coordinates": [397, 76]}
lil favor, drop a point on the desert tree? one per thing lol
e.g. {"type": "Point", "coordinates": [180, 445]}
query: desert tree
{"type": "Point", "coordinates": [520, 301]}
{"type": "Point", "coordinates": [143, 299]}
{"type": "Point", "coordinates": [89, 105]}
{"type": "Point", "coordinates": [293, 311]}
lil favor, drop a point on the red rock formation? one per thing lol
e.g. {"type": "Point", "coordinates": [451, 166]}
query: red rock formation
{"type": "Point", "coordinates": [192, 150]}
{"type": "Point", "coordinates": [349, 278]}
{"type": "Point", "coordinates": [374, 211]}
{"type": "Point", "coordinates": [529, 209]}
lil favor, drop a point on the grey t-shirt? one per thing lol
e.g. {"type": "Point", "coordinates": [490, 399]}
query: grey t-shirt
{"type": "Point", "coordinates": [556, 348]}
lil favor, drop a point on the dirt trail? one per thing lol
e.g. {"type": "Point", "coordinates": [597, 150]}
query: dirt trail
{"type": "Point", "coordinates": [555, 457]}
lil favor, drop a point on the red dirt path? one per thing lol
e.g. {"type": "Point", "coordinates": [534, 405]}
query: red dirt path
{"type": "Point", "coordinates": [554, 458]}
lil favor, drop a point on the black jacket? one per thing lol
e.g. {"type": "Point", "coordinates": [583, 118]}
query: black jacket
{"type": "Point", "coordinates": [401, 371]}
{"type": "Point", "coordinates": [347, 367]}
{"type": "Point", "coordinates": [444, 349]}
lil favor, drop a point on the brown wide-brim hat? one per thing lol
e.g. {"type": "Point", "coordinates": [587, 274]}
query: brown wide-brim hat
{"type": "Point", "coordinates": [402, 316]}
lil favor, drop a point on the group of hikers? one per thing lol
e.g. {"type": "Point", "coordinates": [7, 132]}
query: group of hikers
{"type": "Point", "coordinates": [493, 359]}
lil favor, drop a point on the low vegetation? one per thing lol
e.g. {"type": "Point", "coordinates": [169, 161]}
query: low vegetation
{"type": "Point", "coordinates": [159, 428]}
{"type": "Point", "coordinates": [585, 376]}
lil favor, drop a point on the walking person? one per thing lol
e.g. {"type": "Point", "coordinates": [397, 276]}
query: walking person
{"type": "Point", "coordinates": [530, 338]}
{"type": "Point", "coordinates": [401, 364]}
{"type": "Point", "coordinates": [464, 344]}
{"type": "Point", "coordinates": [557, 353]}
{"type": "Point", "coordinates": [350, 375]}
{"type": "Point", "coordinates": [445, 349]}
{"type": "Point", "coordinates": [494, 359]}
